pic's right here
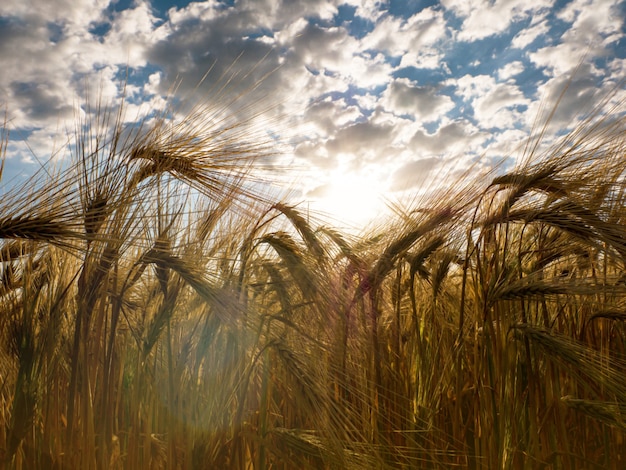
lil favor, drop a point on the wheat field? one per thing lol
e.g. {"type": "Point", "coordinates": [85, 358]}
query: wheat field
{"type": "Point", "coordinates": [160, 310]}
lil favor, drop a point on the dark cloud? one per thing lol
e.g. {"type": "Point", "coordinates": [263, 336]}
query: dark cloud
{"type": "Point", "coordinates": [454, 138]}
{"type": "Point", "coordinates": [316, 155]}
{"type": "Point", "coordinates": [575, 96]}
{"type": "Point", "coordinates": [190, 56]}
{"type": "Point", "coordinates": [39, 101]}
{"type": "Point", "coordinates": [317, 45]}
{"type": "Point", "coordinates": [424, 102]}
{"type": "Point", "coordinates": [328, 115]}
{"type": "Point", "coordinates": [360, 138]}
{"type": "Point", "coordinates": [278, 14]}
{"type": "Point", "coordinates": [12, 32]}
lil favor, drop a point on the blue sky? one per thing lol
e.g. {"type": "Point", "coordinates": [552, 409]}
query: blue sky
{"type": "Point", "coordinates": [381, 97]}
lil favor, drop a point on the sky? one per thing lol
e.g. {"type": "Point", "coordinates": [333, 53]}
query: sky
{"type": "Point", "coordinates": [371, 100]}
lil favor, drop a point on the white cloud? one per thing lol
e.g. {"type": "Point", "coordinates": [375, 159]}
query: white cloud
{"type": "Point", "coordinates": [276, 14]}
{"type": "Point", "coordinates": [510, 70]}
{"type": "Point", "coordinates": [367, 101]}
{"type": "Point", "coordinates": [416, 39]}
{"type": "Point", "coordinates": [494, 104]}
{"type": "Point", "coordinates": [560, 59]}
{"type": "Point", "coordinates": [72, 15]}
{"type": "Point", "coordinates": [396, 35]}
{"type": "Point", "coordinates": [617, 68]}
{"type": "Point", "coordinates": [136, 25]}
{"type": "Point", "coordinates": [594, 25]}
{"type": "Point", "coordinates": [54, 49]}
{"type": "Point", "coordinates": [427, 58]}
{"type": "Point", "coordinates": [530, 34]}
{"type": "Point", "coordinates": [316, 155]}
{"type": "Point", "coordinates": [508, 143]}
{"type": "Point", "coordinates": [368, 9]}
{"type": "Point", "coordinates": [592, 20]}
{"type": "Point", "coordinates": [484, 18]}
{"type": "Point", "coordinates": [200, 11]}
{"type": "Point", "coordinates": [334, 50]}
{"type": "Point", "coordinates": [567, 98]}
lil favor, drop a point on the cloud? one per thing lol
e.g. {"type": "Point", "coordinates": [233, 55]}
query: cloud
{"type": "Point", "coordinates": [423, 102]}
{"type": "Point", "coordinates": [54, 47]}
{"type": "Point", "coordinates": [368, 9]}
{"type": "Point", "coordinates": [413, 173]}
{"type": "Point", "coordinates": [484, 18]}
{"type": "Point", "coordinates": [566, 98]}
{"type": "Point", "coordinates": [279, 13]}
{"type": "Point", "coordinates": [361, 138]}
{"type": "Point", "coordinates": [72, 15]}
{"type": "Point", "coordinates": [39, 100]}
{"type": "Point", "coordinates": [453, 138]}
{"type": "Point", "coordinates": [505, 144]}
{"type": "Point", "coordinates": [329, 114]}
{"type": "Point", "coordinates": [594, 26]}
{"type": "Point", "coordinates": [592, 20]}
{"type": "Point", "coordinates": [396, 36]}
{"type": "Point", "coordinates": [495, 105]}
{"type": "Point", "coordinates": [525, 37]}
{"type": "Point", "coordinates": [297, 64]}
{"type": "Point", "coordinates": [510, 70]}
{"type": "Point", "coordinates": [198, 35]}
{"type": "Point", "coordinates": [315, 155]}
{"type": "Point", "coordinates": [415, 39]}
{"type": "Point", "coordinates": [320, 192]}
{"type": "Point", "coordinates": [333, 50]}
{"type": "Point", "coordinates": [131, 33]}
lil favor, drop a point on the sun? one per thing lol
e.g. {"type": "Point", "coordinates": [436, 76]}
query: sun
{"type": "Point", "coordinates": [351, 199]}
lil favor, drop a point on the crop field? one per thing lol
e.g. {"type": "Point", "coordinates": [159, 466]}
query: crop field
{"type": "Point", "coordinates": [159, 309]}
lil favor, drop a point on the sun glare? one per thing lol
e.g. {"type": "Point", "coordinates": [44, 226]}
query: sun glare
{"type": "Point", "coordinates": [351, 199]}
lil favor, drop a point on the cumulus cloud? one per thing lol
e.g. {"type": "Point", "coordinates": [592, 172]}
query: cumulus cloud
{"type": "Point", "coordinates": [414, 173]}
{"type": "Point", "coordinates": [495, 105]}
{"type": "Point", "coordinates": [54, 47]}
{"type": "Point", "coordinates": [333, 50]}
{"type": "Point", "coordinates": [416, 40]}
{"type": "Point", "coordinates": [456, 138]}
{"type": "Point", "coordinates": [566, 99]}
{"type": "Point", "coordinates": [594, 26]}
{"type": "Point", "coordinates": [483, 18]}
{"type": "Point", "coordinates": [328, 114]}
{"type": "Point", "coordinates": [71, 15]}
{"type": "Point", "coordinates": [396, 36]}
{"type": "Point", "coordinates": [592, 20]}
{"type": "Point", "coordinates": [424, 102]}
{"type": "Point", "coordinates": [510, 70]}
{"type": "Point", "coordinates": [369, 9]}
{"type": "Point", "coordinates": [525, 37]}
{"type": "Point", "coordinates": [361, 138]}
{"type": "Point", "coordinates": [506, 144]}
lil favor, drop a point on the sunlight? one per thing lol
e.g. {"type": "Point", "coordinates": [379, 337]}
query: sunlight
{"type": "Point", "coordinates": [352, 199]}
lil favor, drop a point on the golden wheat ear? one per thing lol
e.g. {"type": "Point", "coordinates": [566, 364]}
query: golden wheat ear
{"type": "Point", "coordinates": [200, 323]}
